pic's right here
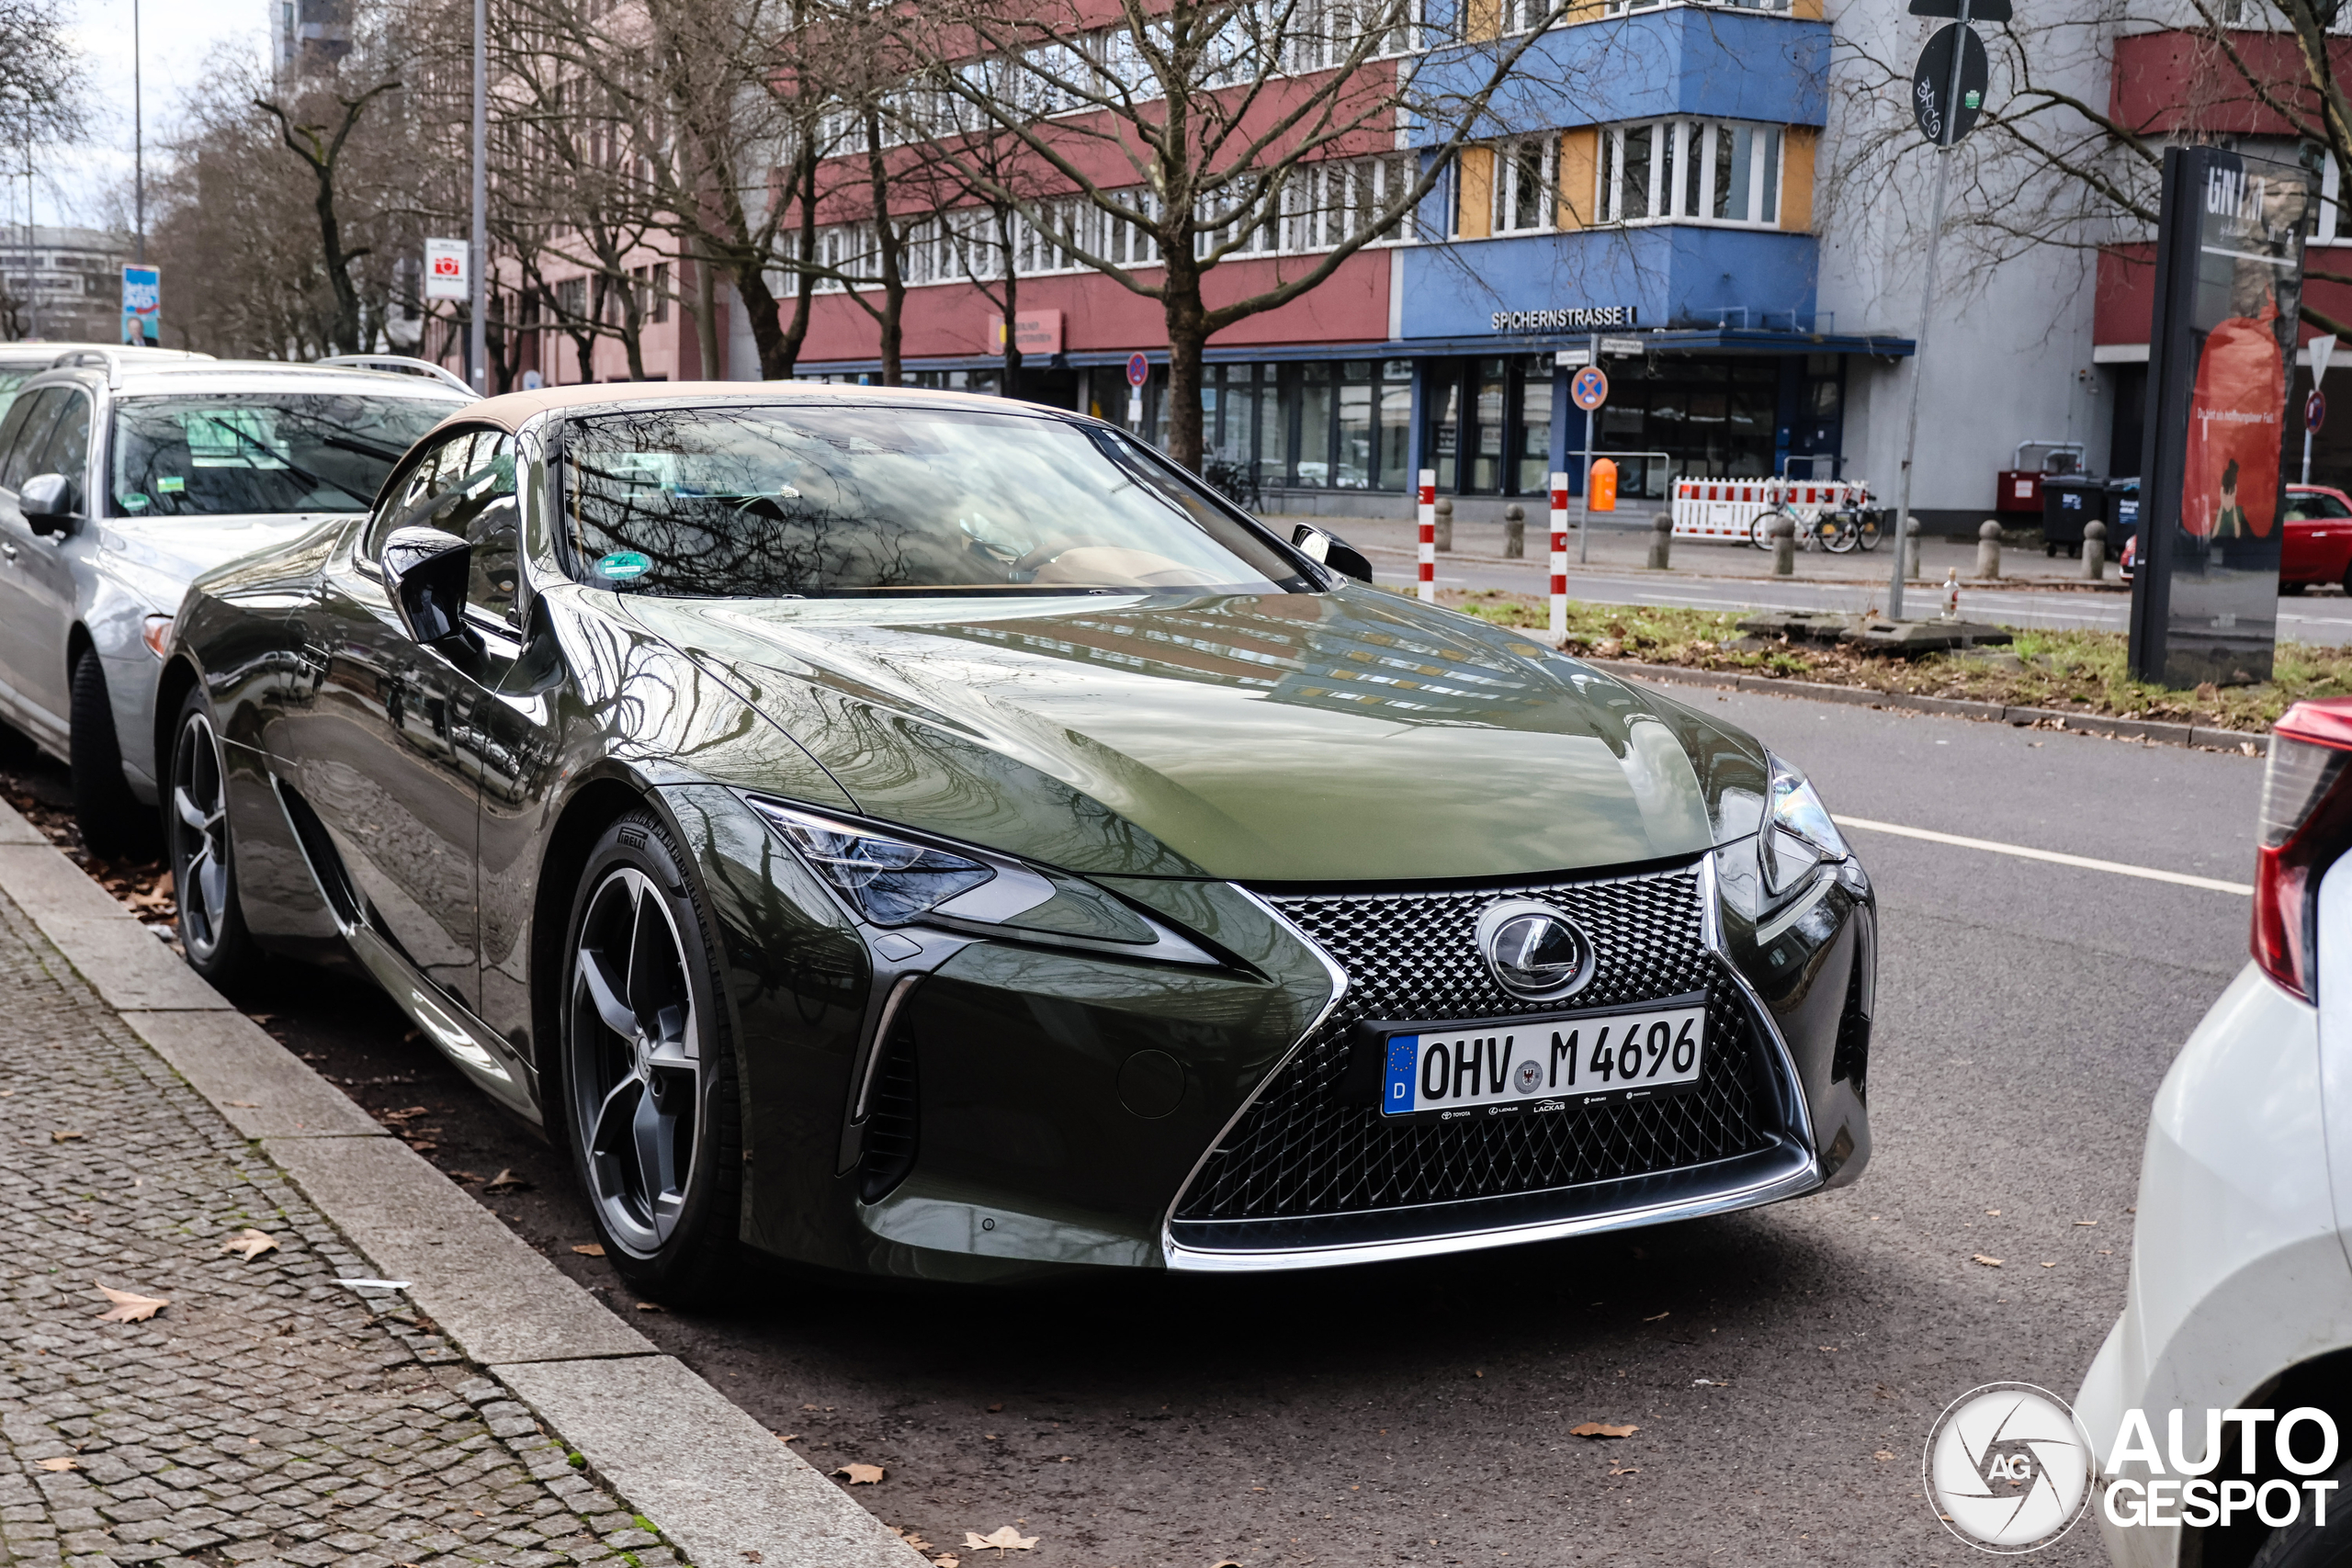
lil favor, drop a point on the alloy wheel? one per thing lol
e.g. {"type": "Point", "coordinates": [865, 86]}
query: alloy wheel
{"type": "Point", "coordinates": [635, 1060]}
{"type": "Point", "coordinates": [200, 837]}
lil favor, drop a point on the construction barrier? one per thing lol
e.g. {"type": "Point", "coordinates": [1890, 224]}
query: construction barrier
{"type": "Point", "coordinates": [1726, 509]}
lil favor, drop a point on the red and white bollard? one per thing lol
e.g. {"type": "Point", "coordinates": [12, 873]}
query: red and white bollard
{"type": "Point", "coordinates": [1559, 557]}
{"type": "Point", "coordinates": [1428, 536]}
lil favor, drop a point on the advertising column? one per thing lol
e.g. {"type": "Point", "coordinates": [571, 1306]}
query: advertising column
{"type": "Point", "coordinates": [2228, 289]}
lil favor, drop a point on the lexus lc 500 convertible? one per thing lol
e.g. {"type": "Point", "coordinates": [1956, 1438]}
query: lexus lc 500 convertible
{"type": "Point", "coordinates": [934, 836]}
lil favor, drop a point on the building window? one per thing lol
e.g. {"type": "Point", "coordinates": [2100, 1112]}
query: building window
{"type": "Point", "coordinates": [1318, 425]}
{"type": "Point", "coordinates": [1524, 177]}
{"type": "Point", "coordinates": [1690, 171]}
{"type": "Point", "coordinates": [657, 307]}
{"type": "Point", "coordinates": [571, 299]}
{"type": "Point", "coordinates": [1491, 424]}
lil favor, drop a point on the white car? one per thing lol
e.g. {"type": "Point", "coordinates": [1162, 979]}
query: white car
{"type": "Point", "coordinates": [122, 477]}
{"type": "Point", "coordinates": [2238, 1317]}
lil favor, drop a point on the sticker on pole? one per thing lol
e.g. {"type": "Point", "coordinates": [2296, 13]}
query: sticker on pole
{"type": "Point", "coordinates": [446, 274]}
{"type": "Point", "coordinates": [1138, 370]}
{"type": "Point", "coordinates": [2314, 411]}
{"type": "Point", "coordinates": [1589, 388]}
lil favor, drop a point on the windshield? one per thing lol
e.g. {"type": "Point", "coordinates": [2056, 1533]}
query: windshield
{"type": "Point", "coordinates": [212, 454]}
{"type": "Point", "coordinates": [824, 500]}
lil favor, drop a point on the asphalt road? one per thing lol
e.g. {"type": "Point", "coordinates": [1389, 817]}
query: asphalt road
{"type": "Point", "coordinates": [1782, 1366]}
{"type": "Point", "coordinates": [2323, 615]}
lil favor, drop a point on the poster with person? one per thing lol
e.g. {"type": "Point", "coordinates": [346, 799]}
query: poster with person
{"type": "Point", "coordinates": [2228, 292]}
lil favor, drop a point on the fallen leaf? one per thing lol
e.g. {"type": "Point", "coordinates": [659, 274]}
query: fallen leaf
{"type": "Point", "coordinates": [862, 1474]}
{"type": "Point", "coordinates": [1995, 1212]}
{"type": "Point", "coordinates": [1004, 1540]}
{"type": "Point", "coordinates": [60, 1135]}
{"type": "Point", "coordinates": [1883, 1456]}
{"type": "Point", "coordinates": [2087, 1222]}
{"type": "Point", "coordinates": [130, 1308]}
{"type": "Point", "coordinates": [946, 1559]}
{"type": "Point", "coordinates": [244, 1104]}
{"type": "Point", "coordinates": [753, 1557]}
{"type": "Point", "coordinates": [60, 1464]}
{"type": "Point", "coordinates": [787, 1437]}
{"type": "Point", "coordinates": [412, 1113]}
{"type": "Point", "coordinates": [650, 1306]}
{"type": "Point", "coordinates": [1829, 1346]}
{"type": "Point", "coordinates": [250, 1244]}
{"type": "Point", "coordinates": [1659, 1318]}
{"type": "Point", "coordinates": [2050, 1266]}
{"type": "Point", "coordinates": [997, 1406]}
{"type": "Point", "coordinates": [462, 1177]}
{"type": "Point", "coordinates": [505, 1181]}
{"type": "Point", "coordinates": [913, 1538]}
{"type": "Point", "coordinates": [1602, 1429]}
{"type": "Point", "coordinates": [1988, 1262]}
{"type": "Point", "coordinates": [1627, 1469]}
{"type": "Point", "coordinates": [592, 1249]}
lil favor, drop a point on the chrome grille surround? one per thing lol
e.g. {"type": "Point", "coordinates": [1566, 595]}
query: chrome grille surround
{"type": "Point", "coordinates": [1306, 1174]}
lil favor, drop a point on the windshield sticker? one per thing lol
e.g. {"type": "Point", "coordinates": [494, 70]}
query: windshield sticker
{"type": "Point", "coordinates": [232, 439]}
{"type": "Point", "coordinates": [136, 502]}
{"type": "Point", "coordinates": [170, 484]}
{"type": "Point", "coordinates": [625, 564]}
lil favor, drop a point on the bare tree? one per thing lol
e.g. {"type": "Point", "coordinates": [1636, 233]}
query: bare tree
{"type": "Point", "coordinates": [1203, 124]}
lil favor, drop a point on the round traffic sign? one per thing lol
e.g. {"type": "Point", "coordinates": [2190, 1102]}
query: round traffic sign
{"type": "Point", "coordinates": [2314, 411]}
{"type": "Point", "coordinates": [1941, 122]}
{"type": "Point", "coordinates": [1138, 369]}
{"type": "Point", "coordinates": [1589, 388]}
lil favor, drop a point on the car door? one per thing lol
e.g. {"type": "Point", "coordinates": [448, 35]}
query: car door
{"type": "Point", "coordinates": [40, 607]}
{"type": "Point", "coordinates": [27, 435]}
{"type": "Point", "coordinates": [386, 752]}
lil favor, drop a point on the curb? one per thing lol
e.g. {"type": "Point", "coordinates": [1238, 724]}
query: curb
{"type": "Point", "coordinates": [719, 1485]}
{"type": "Point", "coordinates": [1978, 584]}
{"type": "Point", "coordinates": [2157, 731]}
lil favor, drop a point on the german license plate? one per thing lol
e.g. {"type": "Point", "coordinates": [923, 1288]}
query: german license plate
{"type": "Point", "coordinates": [1531, 1065]}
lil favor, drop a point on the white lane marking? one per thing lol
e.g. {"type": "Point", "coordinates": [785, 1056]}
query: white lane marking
{"type": "Point", "coordinates": [2149, 872]}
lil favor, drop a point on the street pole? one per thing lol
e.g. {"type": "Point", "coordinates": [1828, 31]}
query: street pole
{"type": "Point", "coordinates": [138, 147]}
{"type": "Point", "coordinates": [1584, 485]}
{"type": "Point", "coordinates": [32, 234]}
{"type": "Point", "coordinates": [478, 271]}
{"type": "Point", "coordinates": [1927, 302]}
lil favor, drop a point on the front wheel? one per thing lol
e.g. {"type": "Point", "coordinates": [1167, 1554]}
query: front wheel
{"type": "Point", "coordinates": [1867, 534]}
{"type": "Point", "coordinates": [204, 868]}
{"type": "Point", "coordinates": [2306, 1544]}
{"type": "Point", "coordinates": [648, 1074]}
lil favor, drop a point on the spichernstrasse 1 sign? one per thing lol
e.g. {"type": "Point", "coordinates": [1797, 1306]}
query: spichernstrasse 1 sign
{"type": "Point", "coordinates": [1566, 319]}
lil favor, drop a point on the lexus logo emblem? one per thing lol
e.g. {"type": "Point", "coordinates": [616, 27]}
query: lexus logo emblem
{"type": "Point", "coordinates": [1533, 950]}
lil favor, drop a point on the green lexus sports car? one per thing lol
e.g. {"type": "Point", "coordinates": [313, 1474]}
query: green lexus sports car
{"type": "Point", "coordinates": [931, 836]}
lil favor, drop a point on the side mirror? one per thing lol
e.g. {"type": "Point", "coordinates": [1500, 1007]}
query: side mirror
{"type": "Point", "coordinates": [46, 502]}
{"type": "Point", "coordinates": [1332, 551]}
{"type": "Point", "coordinates": [425, 572]}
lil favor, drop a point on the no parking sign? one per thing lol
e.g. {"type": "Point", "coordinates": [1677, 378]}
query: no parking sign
{"type": "Point", "coordinates": [1589, 388]}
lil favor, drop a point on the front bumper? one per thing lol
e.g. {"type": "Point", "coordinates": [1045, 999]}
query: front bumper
{"type": "Point", "coordinates": [1033, 1148]}
{"type": "Point", "coordinates": [2238, 1273]}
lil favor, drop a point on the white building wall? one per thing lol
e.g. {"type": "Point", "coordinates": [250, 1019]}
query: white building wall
{"type": "Point", "coordinates": [2009, 352]}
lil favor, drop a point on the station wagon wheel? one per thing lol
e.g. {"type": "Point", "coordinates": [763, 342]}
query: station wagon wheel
{"type": "Point", "coordinates": [195, 826]}
{"type": "Point", "coordinates": [636, 1060]}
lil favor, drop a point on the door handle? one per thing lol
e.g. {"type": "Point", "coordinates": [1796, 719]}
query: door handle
{"type": "Point", "coordinates": [7, 549]}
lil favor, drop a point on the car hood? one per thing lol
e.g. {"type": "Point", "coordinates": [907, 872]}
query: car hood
{"type": "Point", "coordinates": [1351, 736]}
{"type": "Point", "coordinates": [176, 549]}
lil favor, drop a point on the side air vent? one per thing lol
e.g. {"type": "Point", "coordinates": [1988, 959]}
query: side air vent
{"type": "Point", "coordinates": [891, 1121]}
{"type": "Point", "coordinates": [326, 863]}
{"type": "Point", "coordinates": [1851, 1061]}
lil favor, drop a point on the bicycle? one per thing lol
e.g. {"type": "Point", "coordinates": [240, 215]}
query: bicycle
{"type": "Point", "coordinates": [1838, 530]}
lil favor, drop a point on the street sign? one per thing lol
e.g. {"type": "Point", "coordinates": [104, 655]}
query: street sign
{"type": "Point", "coordinates": [1138, 370]}
{"type": "Point", "coordinates": [1621, 346]}
{"type": "Point", "coordinates": [1931, 84]}
{"type": "Point", "coordinates": [143, 307]}
{"type": "Point", "coordinates": [1981, 11]}
{"type": "Point", "coordinates": [2323, 350]}
{"type": "Point", "coordinates": [1589, 388]}
{"type": "Point", "coordinates": [2314, 412]}
{"type": "Point", "coordinates": [444, 270]}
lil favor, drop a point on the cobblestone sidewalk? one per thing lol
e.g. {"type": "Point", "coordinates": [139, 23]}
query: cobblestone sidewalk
{"type": "Point", "coordinates": [267, 1415]}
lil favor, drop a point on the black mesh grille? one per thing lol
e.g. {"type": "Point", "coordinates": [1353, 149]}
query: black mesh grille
{"type": "Point", "coordinates": [1306, 1149]}
{"type": "Point", "coordinates": [1851, 1063]}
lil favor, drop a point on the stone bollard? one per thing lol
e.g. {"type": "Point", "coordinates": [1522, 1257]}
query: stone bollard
{"type": "Point", "coordinates": [1514, 532]}
{"type": "Point", "coordinates": [1445, 522]}
{"type": "Point", "coordinates": [1784, 546]}
{"type": "Point", "coordinates": [2095, 551]}
{"type": "Point", "coordinates": [1911, 549]}
{"type": "Point", "coordinates": [1989, 550]}
{"type": "Point", "coordinates": [1661, 541]}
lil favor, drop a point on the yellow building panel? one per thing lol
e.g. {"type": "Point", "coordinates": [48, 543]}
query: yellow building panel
{"type": "Point", "coordinates": [1482, 20]}
{"type": "Point", "coordinates": [1796, 177]}
{"type": "Point", "coordinates": [1579, 178]}
{"type": "Point", "coordinates": [1474, 211]}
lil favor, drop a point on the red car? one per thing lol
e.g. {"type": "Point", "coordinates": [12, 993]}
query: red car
{"type": "Point", "coordinates": [2318, 542]}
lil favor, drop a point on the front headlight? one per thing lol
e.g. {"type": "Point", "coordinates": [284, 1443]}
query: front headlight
{"type": "Point", "coordinates": [1798, 832]}
{"type": "Point", "coordinates": [888, 880]}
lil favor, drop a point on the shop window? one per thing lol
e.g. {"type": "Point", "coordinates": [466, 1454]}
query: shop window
{"type": "Point", "coordinates": [1534, 444]}
{"type": "Point", "coordinates": [1396, 425]}
{"type": "Point", "coordinates": [1353, 466]}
